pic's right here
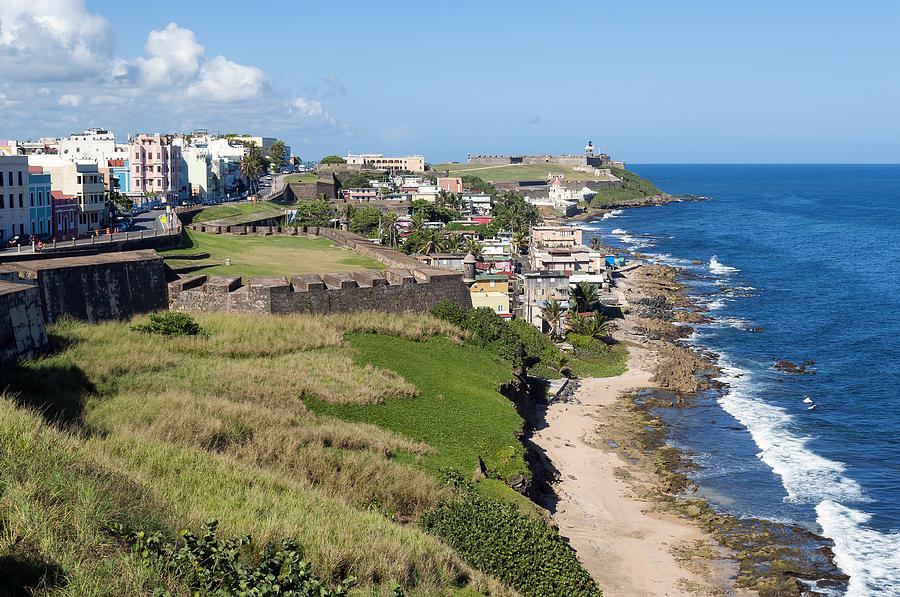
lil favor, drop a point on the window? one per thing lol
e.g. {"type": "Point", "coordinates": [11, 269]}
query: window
{"type": "Point", "coordinates": [31, 200]}
{"type": "Point", "coordinates": [21, 200]}
{"type": "Point", "coordinates": [20, 178]}
{"type": "Point", "coordinates": [1, 178]}
{"type": "Point", "coordinates": [10, 178]}
{"type": "Point", "coordinates": [79, 180]}
{"type": "Point", "coordinates": [1, 200]}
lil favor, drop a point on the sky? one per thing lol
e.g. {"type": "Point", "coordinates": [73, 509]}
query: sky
{"type": "Point", "coordinates": [647, 82]}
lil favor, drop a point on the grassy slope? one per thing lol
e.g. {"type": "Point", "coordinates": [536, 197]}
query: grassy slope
{"type": "Point", "coordinates": [214, 426]}
{"type": "Point", "coordinates": [238, 209]}
{"type": "Point", "coordinates": [458, 412]}
{"type": "Point", "coordinates": [512, 172]}
{"type": "Point", "coordinates": [634, 187]}
{"type": "Point", "coordinates": [299, 178]}
{"type": "Point", "coordinates": [265, 255]}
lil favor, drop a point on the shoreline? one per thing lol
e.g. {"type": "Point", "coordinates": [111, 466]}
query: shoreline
{"type": "Point", "coordinates": [619, 493]}
{"type": "Point", "coordinates": [625, 541]}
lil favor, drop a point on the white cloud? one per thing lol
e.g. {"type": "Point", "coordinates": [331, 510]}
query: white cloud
{"type": "Point", "coordinates": [222, 80]}
{"type": "Point", "coordinates": [334, 86]}
{"type": "Point", "coordinates": [174, 55]}
{"type": "Point", "coordinates": [70, 99]}
{"type": "Point", "coordinates": [53, 40]}
{"type": "Point", "coordinates": [311, 110]}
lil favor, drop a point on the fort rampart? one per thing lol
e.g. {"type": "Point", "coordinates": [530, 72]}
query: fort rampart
{"type": "Point", "coordinates": [406, 285]}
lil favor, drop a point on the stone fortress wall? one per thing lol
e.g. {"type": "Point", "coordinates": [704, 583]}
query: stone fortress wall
{"type": "Point", "coordinates": [595, 161]}
{"type": "Point", "coordinates": [406, 285]}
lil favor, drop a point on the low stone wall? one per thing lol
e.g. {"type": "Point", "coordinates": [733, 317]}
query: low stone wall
{"type": "Point", "coordinates": [405, 286]}
{"type": "Point", "coordinates": [22, 330]}
{"type": "Point", "coordinates": [97, 287]}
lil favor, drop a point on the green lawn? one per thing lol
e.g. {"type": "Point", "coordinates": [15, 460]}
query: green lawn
{"type": "Point", "coordinates": [512, 172]}
{"type": "Point", "coordinates": [238, 209]}
{"type": "Point", "coordinates": [264, 255]}
{"type": "Point", "coordinates": [299, 178]}
{"type": "Point", "coordinates": [459, 410]}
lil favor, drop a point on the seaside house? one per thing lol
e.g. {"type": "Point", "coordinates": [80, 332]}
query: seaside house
{"type": "Point", "coordinates": [64, 211]}
{"type": "Point", "coordinates": [556, 236]}
{"type": "Point", "coordinates": [156, 167]}
{"type": "Point", "coordinates": [491, 291]}
{"type": "Point", "coordinates": [539, 288]}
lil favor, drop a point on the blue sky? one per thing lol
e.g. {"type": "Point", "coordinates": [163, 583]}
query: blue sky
{"type": "Point", "coordinates": [646, 81]}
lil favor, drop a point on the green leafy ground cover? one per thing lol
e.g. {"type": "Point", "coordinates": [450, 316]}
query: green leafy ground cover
{"type": "Point", "coordinates": [264, 255]}
{"type": "Point", "coordinates": [452, 380]}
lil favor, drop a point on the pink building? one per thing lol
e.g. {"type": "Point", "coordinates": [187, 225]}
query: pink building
{"type": "Point", "coordinates": [65, 215]}
{"type": "Point", "coordinates": [452, 185]}
{"type": "Point", "coordinates": [156, 167]}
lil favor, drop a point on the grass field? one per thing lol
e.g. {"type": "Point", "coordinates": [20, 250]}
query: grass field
{"type": "Point", "coordinates": [505, 173]}
{"type": "Point", "coordinates": [299, 178]}
{"type": "Point", "coordinates": [162, 433]}
{"type": "Point", "coordinates": [264, 255]}
{"type": "Point", "coordinates": [231, 210]}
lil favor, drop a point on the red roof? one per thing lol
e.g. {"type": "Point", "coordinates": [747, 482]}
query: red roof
{"type": "Point", "coordinates": [116, 163]}
{"type": "Point", "coordinates": [35, 170]}
{"type": "Point", "coordinates": [60, 195]}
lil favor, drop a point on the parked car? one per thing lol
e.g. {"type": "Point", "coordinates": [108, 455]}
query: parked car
{"type": "Point", "coordinates": [19, 239]}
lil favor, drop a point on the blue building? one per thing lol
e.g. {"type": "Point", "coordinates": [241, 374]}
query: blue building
{"type": "Point", "coordinates": [40, 206]}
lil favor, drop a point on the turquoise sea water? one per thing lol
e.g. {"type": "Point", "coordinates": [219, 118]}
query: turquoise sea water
{"type": "Point", "coordinates": [810, 254]}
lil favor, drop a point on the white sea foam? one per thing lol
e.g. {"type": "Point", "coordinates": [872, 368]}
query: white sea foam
{"type": "Point", "coordinates": [806, 476]}
{"type": "Point", "coordinates": [619, 231]}
{"type": "Point", "coordinates": [613, 214]}
{"type": "Point", "coordinates": [807, 400]}
{"type": "Point", "coordinates": [716, 304]}
{"type": "Point", "coordinates": [869, 557]}
{"type": "Point", "coordinates": [718, 268]}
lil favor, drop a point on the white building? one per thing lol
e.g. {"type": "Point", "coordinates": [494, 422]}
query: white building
{"type": "Point", "coordinates": [14, 206]}
{"type": "Point", "coordinates": [93, 144]}
{"type": "Point", "coordinates": [80, 179]}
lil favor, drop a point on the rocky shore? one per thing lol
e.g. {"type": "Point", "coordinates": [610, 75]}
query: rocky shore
{"type": "Point", "coordinates": [622, 496]}
{"type": "Point", "coordinates": [596, 213]}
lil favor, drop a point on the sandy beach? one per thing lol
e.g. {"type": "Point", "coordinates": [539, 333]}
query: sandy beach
{"type": "Point", "coordinates": [629, 546]}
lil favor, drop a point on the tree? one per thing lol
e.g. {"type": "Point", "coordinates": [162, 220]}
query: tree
{"type": "Point", "coordinates": [474, 247]}
{"type": "Point", "coordinates": [332, 159]}
{"type": "Point", "coordinates": [122, 202]}
{"type": "Point", "coordinates": [447, 199]}
{"type": "Point", "coordinates": [365, 221]}
{"type": "Point", "coordinates": [453, 243]}
{"type": "Point", "coordinates": [585, 295]}
{"type": "Point", "coordinates": [313, 213]}
{"type": "Point", "coordinates": [551, 313]}
{"type": "Point", "coordinates": [520, 241]}
{"type": "Point", "coordinates": [558, 361]}
{"type": "Point", "coordinates": [277, 154]}
{"type": "Point", "coordinates": [595, 244]}
{"type": "Point", "coordinates": [253, 163]}
{"type": "Point", "coordinates": [431, 242]}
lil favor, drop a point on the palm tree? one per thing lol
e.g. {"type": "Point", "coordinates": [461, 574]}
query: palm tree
{"type": "Point", "coordinates": [431, 242]}
{"type": "Point", "coordinates": [474, 247]}
{"type": "Point", "coordinates": [585, 295]}
{"type": "Point", "coordinates": [559, 362]}
{"type": "Point", "coordinates": [520, 241]}
{"type": "Point", "coordinates": [452, 243]}
{"type": "Point", "coordinates": [551, 313]}
{"type": "Point", "coordinates": [417, 222]}
{"type": "Point", "coordinates": [595, 243]}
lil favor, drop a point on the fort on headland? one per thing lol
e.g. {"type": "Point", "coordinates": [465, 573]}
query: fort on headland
{"type": "Point", "coordinates": [588, 159]}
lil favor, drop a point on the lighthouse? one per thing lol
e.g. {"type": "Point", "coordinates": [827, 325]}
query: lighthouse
{"type": "Point", "coordinates": [589, 149]}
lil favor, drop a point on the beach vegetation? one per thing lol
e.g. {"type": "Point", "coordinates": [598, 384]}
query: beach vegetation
{"type": "Point", "coordinates": [633, 187]}
{"type": "Point", "coordinates": [498, 538]}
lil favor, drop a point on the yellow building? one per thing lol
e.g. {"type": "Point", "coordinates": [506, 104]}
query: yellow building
{"type": "Point", "coordinates": [491, 292]}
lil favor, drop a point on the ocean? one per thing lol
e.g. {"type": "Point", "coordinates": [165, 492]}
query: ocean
{"type": "Point", "coordinates": [811, 255]}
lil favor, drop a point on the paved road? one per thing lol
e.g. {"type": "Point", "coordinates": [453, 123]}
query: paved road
{"type": "Point", "coordinates": [148, 221]}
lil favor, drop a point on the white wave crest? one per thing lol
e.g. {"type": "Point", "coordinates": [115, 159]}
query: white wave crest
{"type": "Point", "coordinates": [870, 558]}
{"type": "Point", "coordinates": [806, 476]}
{"type": "Point", "coordinates": [619, 231]}
{"type": "Point", "coordinates": [612, 214]}
{"type": "Point", "coordinates": [719, 268]}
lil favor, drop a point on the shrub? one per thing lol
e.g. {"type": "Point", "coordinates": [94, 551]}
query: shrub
{"type": "Point", "coordinates": [499, 539]}
{"type": "Point", "coordinates": [170, 323]}
{"type": "Point", "coordinates": [449, 311]}
{"type": "Point", "coordinates": [213, 566]}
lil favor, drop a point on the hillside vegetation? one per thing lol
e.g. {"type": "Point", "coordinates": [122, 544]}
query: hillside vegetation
{"type": "Point", "coordinates": [333, 433]}
{"type": "Point", "coordinates": [633, 187]}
